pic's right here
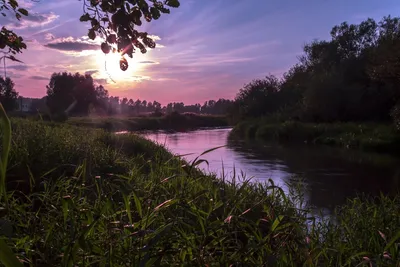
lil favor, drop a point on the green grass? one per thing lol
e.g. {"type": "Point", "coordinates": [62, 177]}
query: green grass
{"type": "Point", "coordinates": [86, 197]}
{"type": "Point", "coordinates": [368, 137]}
{"type": "Point", "coordinates": [168, 122]}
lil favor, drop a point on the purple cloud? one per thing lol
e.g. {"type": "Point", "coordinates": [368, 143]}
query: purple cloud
{"type": "Point", "coordinates": [33, 20]}
{"type": "Point", "coordinates": [39, 78]}
{"type": "Point", "coordinates": [91, 72]}
{"type": "Point", "coordinates": [147, 62]}
{"type": "Point", "coordinates": [72, 45]}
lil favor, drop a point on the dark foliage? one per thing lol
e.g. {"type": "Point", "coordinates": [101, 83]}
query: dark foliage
{"type": "Point", "coordinates": [71, 93]}
{"type": "Point", "coordinates": [354, 76]}
{"type": "Point", "coordinates": [8, 95]}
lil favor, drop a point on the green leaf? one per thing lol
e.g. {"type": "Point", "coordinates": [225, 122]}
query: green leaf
{"type": "Point", "coordinates": [13, 3]}
{"type": "Point", "coordinates": [164, 10]}
{"type": "Point", "coordinates": [6, 127]}
{"type": "Point", "coordinates": [149, 42]}
{"type": "Point", "coordinates": [155, 13]}
{"type": "Point", "coordinates": [394, 239]}
{"type": "Point", "coordinates": [85, 17]}
{"type": "Point", "coordinates": [138, 205]}
{"type": "Point", "coordinates": [172, 3]}
{"type": "Point", "coordinates": [276, 223]}
{"type": "Point", "coordinates": [92, 34]}
{"type": "Point", "coordinates": [23, 11]}
{"type": "Point", "coordinates": [7, 257]}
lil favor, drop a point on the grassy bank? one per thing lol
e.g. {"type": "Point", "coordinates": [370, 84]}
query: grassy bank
{"type": "Point", "coordinates": [369, 137]}
{"type": "Point", "coordinates": [80, 197]}
{"type": "Point", "coordinates": [173, 121]}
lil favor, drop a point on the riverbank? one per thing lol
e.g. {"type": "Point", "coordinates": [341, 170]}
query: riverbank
{"type": "Point", "coordinates": [85, 196]}
{"type": "Point", "coordinates": [369, 137]}
{"type": "Point", "coordinates": [172, 121]}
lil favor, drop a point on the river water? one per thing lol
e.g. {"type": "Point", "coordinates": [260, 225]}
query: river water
{"type": "Point", "coordinates": [330, 174]}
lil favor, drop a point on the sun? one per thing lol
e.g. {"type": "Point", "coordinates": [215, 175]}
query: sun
{"type": "Point", "coordinates": [109, 66]}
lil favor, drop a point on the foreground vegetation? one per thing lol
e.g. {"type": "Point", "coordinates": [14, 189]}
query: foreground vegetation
{"type": "Point", "coordinates": [368, 137]}
{"type": "Point", "coordinates": [80, 197]}
{"type": "Point", "coordinates": [173, 121]}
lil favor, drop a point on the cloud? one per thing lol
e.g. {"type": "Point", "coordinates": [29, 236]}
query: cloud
{"type": "Point", "coordinates": [71, 44]}
{"type": "Point", "coordinates": [100, 81]}
{"type": "Point", "coordinates": [90, 72]}
{"type": "Point", "coordinates": [147, 62]}
{"type": "Point", "coordinates": [39, 78]}
{"type": "Point", "coordinates": [14, 75]}
{"type": "Point", "coordinates": [154, 37]}
{"type": "Point", "coordinates": [34, 20]}
{"type": "Point", "coordinates": [16, 67]}
{"type": "Point", "coordinates": [25, 3]}
{"type": "Point", "coordinates": [49, 37]}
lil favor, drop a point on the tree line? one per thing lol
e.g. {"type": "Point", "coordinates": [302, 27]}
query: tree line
{"type": "Point", "coordinates": [78, 95]}
{"type": "Point", "coordinates": [354, 76]}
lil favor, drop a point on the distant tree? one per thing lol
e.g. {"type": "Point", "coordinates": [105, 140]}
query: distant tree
{"type": "Point", "coordinates": [258, 98]}
{"type": "Point", "coordinates": [66, 88]}
{"type": "Point", "coordinates": [8, 95]}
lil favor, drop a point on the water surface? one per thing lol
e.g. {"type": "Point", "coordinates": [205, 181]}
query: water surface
{"type": "Point", "coordinates": [331, 174]}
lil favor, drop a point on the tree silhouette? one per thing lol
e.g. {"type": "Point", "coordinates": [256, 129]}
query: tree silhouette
{"type": "Point", "coordinates": [354, 76]}
{"type": "Point", "coordinates": [66, 88]}
{"type": "Point", "coordinates": [8, 95]}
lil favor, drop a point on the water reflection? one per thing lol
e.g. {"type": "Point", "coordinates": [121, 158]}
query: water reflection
{"type": "Point", "coordinates": [331, 175]}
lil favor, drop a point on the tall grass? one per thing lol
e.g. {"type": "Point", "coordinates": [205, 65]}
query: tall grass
{"type": "Point", "coordinates": [81, 197]}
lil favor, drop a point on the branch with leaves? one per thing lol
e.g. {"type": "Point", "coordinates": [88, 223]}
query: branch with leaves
{"type": "Point", "coordinates": [117, 21]}
{"type": "Point", "coordinates": [11, 42]}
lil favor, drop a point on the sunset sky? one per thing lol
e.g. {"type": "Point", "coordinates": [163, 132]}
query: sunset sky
{"type": "Point", "coordinates": [207, 49]}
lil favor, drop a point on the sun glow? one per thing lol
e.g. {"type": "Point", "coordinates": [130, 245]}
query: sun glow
{"type": "Point", "coordinates": [109, 68]}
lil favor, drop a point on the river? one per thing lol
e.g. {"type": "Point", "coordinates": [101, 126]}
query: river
{"type": "Point", "coordinates": [330, 175]}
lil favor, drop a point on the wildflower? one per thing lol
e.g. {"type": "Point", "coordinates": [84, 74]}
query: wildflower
{"type": "Point", "coordinates": [162, 204]}
{"type": "Point", "coordinates": [246, 211]}
{"type": "Point", "coordinates": [67, 197]}
{"type": "Point", "coordinates": [386, 255]}
{"type": "Point", "coordinates": [382, 235]}
{"type": "Point", "coordinates": [308, 240]}
{"type": "Point", "coordinates": [97, 177]}
{"type": "Point", "coordinates": [165, 180]}
{"type": "Point", "coordinates": [228, 219]}
{"type": "Point", "coordinates": [367, 260]}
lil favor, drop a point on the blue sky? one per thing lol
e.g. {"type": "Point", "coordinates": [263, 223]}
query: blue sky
{"type": "Point", "coordinates": [207, 49]}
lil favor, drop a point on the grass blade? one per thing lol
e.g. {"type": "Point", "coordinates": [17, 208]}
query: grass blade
{"type": "Point", "coordinates": [7, 257]}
